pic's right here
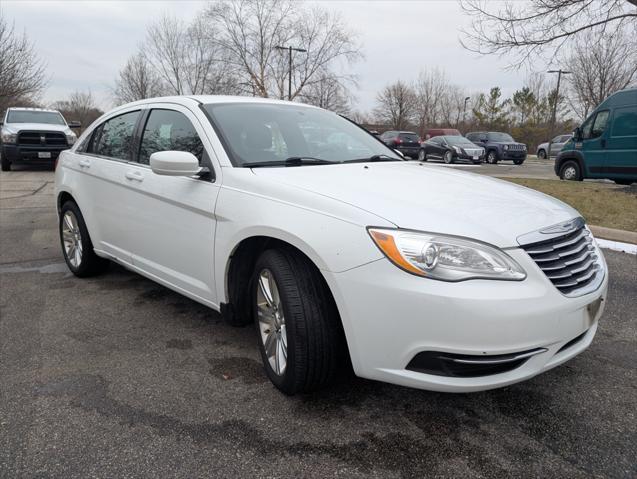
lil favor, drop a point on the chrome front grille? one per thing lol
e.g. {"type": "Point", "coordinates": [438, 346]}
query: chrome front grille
{"type": "Point", "coordinates": [474, 151]}
{"type": "Point", "coordinates": [515, 147]}
{"type": "Point", "coordinates": [570, 261]}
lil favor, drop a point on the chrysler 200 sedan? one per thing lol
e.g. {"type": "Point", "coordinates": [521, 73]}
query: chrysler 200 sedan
{"type": "Point", "coordinates": [336, 249]}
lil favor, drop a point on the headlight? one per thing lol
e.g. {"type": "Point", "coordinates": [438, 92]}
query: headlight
{"type": "Point", "coordinates": [8, 136]}
{"type": "Point", "coordinates": [70, 137]}
{"type": "Point", "coordinates": [445, 258]}
{"type": "Point", "coordinates": [506, 147]}
{"type": "Point", "coordinates": [457, 149]}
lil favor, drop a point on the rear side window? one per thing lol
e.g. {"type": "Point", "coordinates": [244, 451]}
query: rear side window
{"type": "Point", "coordinates": [625, 123]}
{"type": "Point", "coordinates": [114, 138]}
{"type": "Point", "coordinates": [409, 136]}
{"type": "Point", "coordinates": [169, 130]}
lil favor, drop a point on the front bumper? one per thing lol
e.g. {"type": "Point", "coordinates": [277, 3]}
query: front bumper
{"type": "Point", "coordinates": [464, 156]}
{"type": "Point", "coordinates": [512, 155]}
{"type": "Point", "coordinates": [31, 153]}
{"type": "Point", "coordinates": [390, 316]}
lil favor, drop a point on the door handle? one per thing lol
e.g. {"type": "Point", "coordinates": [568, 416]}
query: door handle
{"type": "Point", "coordinates": [84, 163]}
{"type": "Point", "coordinates": [134, 175]}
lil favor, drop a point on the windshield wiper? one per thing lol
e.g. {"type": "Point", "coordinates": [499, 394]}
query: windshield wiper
{"type": "Point", "coordinates": [373, 158]}
{"type": "Point", "coordinates": [291, 161]}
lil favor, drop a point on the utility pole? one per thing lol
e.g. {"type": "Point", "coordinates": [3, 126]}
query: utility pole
{"type": "Point", "coordinates": [290, 49]}
{"type": "Point", "coordinates": [464, 112]}
{"type": "Point", "coordinates": [559, 72]}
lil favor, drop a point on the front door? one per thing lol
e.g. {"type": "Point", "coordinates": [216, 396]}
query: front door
{"type": "Point", "coordinates": [621, 156]}
{"type": "Point", "coordinates": [593, 144]}
{"type": "Point", "coordinates": [172, 218]}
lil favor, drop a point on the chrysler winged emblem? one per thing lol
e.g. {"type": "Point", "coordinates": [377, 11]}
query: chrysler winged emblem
{"type": "Point", "coordinates": [562, 227]}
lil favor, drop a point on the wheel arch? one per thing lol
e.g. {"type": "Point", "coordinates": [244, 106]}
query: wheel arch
{"type": "Point", "coordinates": [63, 197]}
{"type": "Point", "coordinates": [570, 155]}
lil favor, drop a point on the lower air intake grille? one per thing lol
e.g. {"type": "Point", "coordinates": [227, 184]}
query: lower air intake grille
{"type": "Point", "coordinates": [570, 261]}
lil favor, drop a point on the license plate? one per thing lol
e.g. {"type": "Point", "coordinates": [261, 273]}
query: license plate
{"type": "Point", "coordinates": [44, 154]}
{"type": "Point", "coordinates": [476, 157]}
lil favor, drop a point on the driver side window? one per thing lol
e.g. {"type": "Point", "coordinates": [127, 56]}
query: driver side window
{"type": "Point", "coordinates": [594, 127]}
{"type": "Point", "coordinates": [168, 130]}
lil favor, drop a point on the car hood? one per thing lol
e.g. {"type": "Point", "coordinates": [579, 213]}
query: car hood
{"type": "Point", "coordinates": [422, 197]}
{"type": "Point", "coordinates": [36, 126]}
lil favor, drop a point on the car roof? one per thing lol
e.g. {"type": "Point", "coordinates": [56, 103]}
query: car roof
{"type": "Point", "coordinates": [211, 99]}
{"type": "Point", "coordinates": [24, 108]}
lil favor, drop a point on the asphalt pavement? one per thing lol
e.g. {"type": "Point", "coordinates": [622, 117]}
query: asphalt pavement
{"type": "Point", "coordinates": [116, 376]}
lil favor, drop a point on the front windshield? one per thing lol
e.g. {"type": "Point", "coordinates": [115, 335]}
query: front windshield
{"type": "Point", "coordinates": [500, 137]}
{"type": "Point", "coordinates": [48, 117]}
{"type": "Point", "coordinates": [266, 133]}
{"type": "Point", "coordinates": [458, 141]}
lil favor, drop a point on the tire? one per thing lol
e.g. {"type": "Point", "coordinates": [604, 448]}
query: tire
{"type": "Point", "coordinates": [570, 171]}
{"type": "Point", "coordinates": [82, 261]}
{"type": "Point", "coordinates": [624, 182]}
{"type": "Point", "coordinates": [492, 157]}
{"type": "Point", "coordinates": [5, 164]}
{"type": "Point", "coordinates": [541, 155]}
{"type": "Point", "coordinates": [518, 162]}
{"type": "Point", "coordinates": [422, 155]}
{"type": "Point", "coordinates": [308, 323]}
{"type": "Point", "coordinates": [448, 157]}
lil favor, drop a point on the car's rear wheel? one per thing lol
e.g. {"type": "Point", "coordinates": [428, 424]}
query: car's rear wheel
{"type": "Point", "coordinates": [541, 155]}
{"type": "Point", "coordinates": [76, 243]}
{"type": "Point", "coordinates": [448, 157]}
{"type": "Point", "coordinates": [492, 158]}
{"type": "Point", "coordinates": [570, 171]}
{"type": "Point", "coordinates": [422, 155]}
{"type": "Point", "coordinates": [300, 338]}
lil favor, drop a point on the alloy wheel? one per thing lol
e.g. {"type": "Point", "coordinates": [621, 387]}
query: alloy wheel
{"type": "Point", "coordinates": [72, 239]}
{"type": "Point", "coordinates": [422, 155]}
{"type": "Point", "coordinates": [448, 157]}
{"type": "Point", "coordinates": [271, 319]}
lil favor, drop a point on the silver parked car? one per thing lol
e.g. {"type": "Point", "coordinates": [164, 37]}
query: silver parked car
{"type": "Point", "coordinates": [557, 144]}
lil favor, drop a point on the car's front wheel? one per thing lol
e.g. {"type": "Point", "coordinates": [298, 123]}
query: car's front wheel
{"type": "Point", "coordinates": [5, 164]}
{"type": "Point", "coordinates": [448, 158]}
{"type": "Point", "coordinates": [570, 171]}
{"type": "Point", "coordinates": [518, 162]}
{"type": "Point", "coordinates": [76, 243]}
{"type": "Point", "coordinates": [492, 158]}
{"type": "Point", "coordinates": [422, 155]}
{"type": "Point", "coordinates": [300, 338]}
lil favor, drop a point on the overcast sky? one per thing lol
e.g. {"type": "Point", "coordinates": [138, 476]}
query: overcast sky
{"type": "Point", "coordinates": [86, 43]}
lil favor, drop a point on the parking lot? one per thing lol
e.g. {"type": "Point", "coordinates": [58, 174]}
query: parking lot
{"type": "Point", "coordinates": [116, 376]}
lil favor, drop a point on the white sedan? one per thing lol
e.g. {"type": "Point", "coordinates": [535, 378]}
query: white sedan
{"type": "Point", "coordinates": [299, 221]}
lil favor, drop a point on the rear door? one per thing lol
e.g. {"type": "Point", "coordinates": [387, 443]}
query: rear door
{"type": "Point", "coordinates": [621, 145]}
{"type": "Point", "coordinates": [171, 218]}
{"type": "Point", "coordinates": [106, 197]}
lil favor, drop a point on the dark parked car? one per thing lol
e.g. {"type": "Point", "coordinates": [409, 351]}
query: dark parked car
{"type": "Point", "coordinates": [450, 149]}
{"type": "Point", "coordinates": [499, 146]}
{"type": "Point", "coordinates": [407, 142]}
{"type": "Point", "coordinates": [441, 132]}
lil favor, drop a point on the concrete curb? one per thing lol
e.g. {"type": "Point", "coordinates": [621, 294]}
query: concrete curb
{"type": "Point", "coordinates": [614, 235]}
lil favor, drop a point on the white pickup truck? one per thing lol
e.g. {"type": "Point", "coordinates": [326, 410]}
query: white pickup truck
{"type": "Point", "coordinates": [34, 135]}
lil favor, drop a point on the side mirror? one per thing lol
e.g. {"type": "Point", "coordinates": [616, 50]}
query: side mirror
{"type": "Point", "coordinates": [399, 153]}
{"type": "Point", "coordinates": [75, 124]}
{"type": "Point", "coordinates": [577, 134]}
{"type": "Point", "coordinates": [174, 163]}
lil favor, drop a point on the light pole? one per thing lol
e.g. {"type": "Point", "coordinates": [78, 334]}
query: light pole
{"type": "Point", "coordinates": [559, 72]}
{"type": "Point", "coordinates": [290, 49]}
{"type": "Point", "coordinates": [464, 112]}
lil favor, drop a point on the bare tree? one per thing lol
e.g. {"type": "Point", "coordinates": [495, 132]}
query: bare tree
{"type": "Point", "coordinates": [396, 105]}
{"type": "Point", "coordinates": [429, 88]}
{"type": "Point", "coordinates": [329, 93]}
{"type": "Point", "coordinates": [250, 31]}
{"type": "Point", "coordinates": [601, 63]}
{"type": "Point", "coordinates": [137, 80]}
{"type": "Point", "coordinates": [80, 106]}
{"type": "Point", "coordinates": [528, 28]}
{"type": "Point", "coordinates": [22, 72]}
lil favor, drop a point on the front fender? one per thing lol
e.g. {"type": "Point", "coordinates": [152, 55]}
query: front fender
{"type": "Point", "coordinates": [565, 155]}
